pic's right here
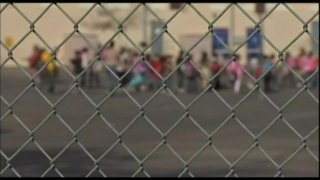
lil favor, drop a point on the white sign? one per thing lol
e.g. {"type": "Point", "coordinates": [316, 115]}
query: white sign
{"type": "Point", "coordinates": [238, 40]}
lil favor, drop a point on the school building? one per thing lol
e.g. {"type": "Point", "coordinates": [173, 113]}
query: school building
{"type": "Point", "coordinates": [232, 28]}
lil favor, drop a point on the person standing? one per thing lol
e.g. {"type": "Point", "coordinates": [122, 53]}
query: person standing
{"type": "Point", "coordinates": [138, 72]}
{"type": "Point", "coordinates": [301, 59]}
{"type": "Point", "coordinates": [158, 66]}
{"type": "Point", "coordinates": [215, 68]}
{"type": "Point", "coordinates": [267, 64]}
{"type": "Point", "coordinates": [286, 75]}
{"type": "Point", "coordinates": [167, 69]}
{"type": "Point", "coordinates": [235, 69]}
{"type": "Point", "coordinates": [84, 65]}
{"type": "Point", "coordinates": [315, 81]}
{"type": "Point", "coordinates": [192, 76]}
{"type": "Point", "coordinates": [276, 72]}
{"type": "Point", "coordinates": [309, 66]}
{"type": "Point", "coordinates": [127, 63]}
{"type": "Point", "coordinates": [123, 60]}
{"type": "Point", "coordinates": [34, 62]}
{"type": "Point", "coordinates": [205, 71]}
{"type": "Point", "coordinates": [252, 68]}
{"type": "Point", "coordinates": [76, 62]}
{"type": "Point", "coordinates": [94, 74]}
{"type": "Point", "coordinates": [110, 57]}
{"type": "Point", "coordinates": [51, 70]}
{"type": "Point", "coordinates": [180, 73]}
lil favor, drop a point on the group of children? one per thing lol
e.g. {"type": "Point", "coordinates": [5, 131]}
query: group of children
{"type": "Point", "coordinates": [187, 73]}
{"type": "Point", "coordinates": [277, 72]}
{"type": "Point", "coordinates": [289, 71]}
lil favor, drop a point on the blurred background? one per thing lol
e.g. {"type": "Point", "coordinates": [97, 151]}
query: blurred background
{"type": "Point", "coordinates": [93, 57]}
{"type": "Point", "coordinates": [233, 27]}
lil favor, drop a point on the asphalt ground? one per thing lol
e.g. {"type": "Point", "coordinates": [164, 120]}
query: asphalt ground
{"type": "Point", "coordinates": [209, 112]}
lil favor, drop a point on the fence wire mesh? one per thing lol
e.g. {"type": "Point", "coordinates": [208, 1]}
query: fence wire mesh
{"type": "Point", "coordinates": [98, 112]}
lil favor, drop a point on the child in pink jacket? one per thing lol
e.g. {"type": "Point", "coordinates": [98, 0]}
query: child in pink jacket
{"type": "Point", "coordinates": [309, 66]}
{"type": "Point", "coordinates": [235, 69]}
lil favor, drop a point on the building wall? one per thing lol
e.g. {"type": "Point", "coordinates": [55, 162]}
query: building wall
{"type": "Point", "coordinates": [281, 27]}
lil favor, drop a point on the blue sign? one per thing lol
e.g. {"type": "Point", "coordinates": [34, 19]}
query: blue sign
{"type": "Point", "coordinates": [255, 41]}
{"type": "Point", "coordinates": [222, 33]}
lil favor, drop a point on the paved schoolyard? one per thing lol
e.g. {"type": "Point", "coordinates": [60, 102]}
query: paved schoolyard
{"type": "Point", "coordinates": [186, 139]}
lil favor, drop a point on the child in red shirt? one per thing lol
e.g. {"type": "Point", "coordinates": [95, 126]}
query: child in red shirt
{"type": "Point", "coordinates": [215, 68]}
{"type": "Point", "coordinates": [158, 66]}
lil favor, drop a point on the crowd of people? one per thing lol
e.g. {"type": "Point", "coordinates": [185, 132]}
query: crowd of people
{"type": "Point", "coordinates": [187, 73]}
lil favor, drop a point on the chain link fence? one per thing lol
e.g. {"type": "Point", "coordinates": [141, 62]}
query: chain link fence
{"type": "Point", "coordinates": [7, 165]}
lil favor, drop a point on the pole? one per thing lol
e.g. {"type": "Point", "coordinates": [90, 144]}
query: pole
{"type": "Point", "coordinates": [261, 50]}
{"type": "Point", "coordinates": [261, 31]}
{"type": "Point", "coordinates": [232, 27]}
{"type": "Point", "coordinates": [145, 24]}
{"type": "Point", "coordinates": [260, 10]}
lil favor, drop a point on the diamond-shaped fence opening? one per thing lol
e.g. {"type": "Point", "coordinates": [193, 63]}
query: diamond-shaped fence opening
{"type": "Point", "coordinates": [279, 151]}
{"type": "Point", "coordinates": [133, 105]}
{"type": "Point", "coordinates": [266, 167]}
{"type": "Point", "coordinates": [11, 128]}
{"type": "Point", "coordinates": [126, 117]}
{"type": "Point", "coordinates": [32, 118]}
{"type": "Point", "coordinates": [157, 159]}
{"type": "Point", "coordinates": [118, 163]}
{"type": "Point", "coordinates": [97, 124]}
{"type": "Point", "coordinates": [64, 162]}
{"type": "Point", "coordinates": [46, 136]}
{"type": "Point", "coordinates": [300, 158]}
{"type": "Point", "coordinates": [22, 161]}
{"type": "Point", "coordinates": [211, 162]}
{"type": "Point", "coordinates": [141, 142]}
{"type": "Point", "coordinates": [180, 141]}
{"type": "Point", "coordinates": [295, 121]}
{"type": "Point", "coordinates": [170, 114]}
{"type": "Point", "coordinates": [254, 121]}
{"type": "Point", "coordinates": [207, 117]}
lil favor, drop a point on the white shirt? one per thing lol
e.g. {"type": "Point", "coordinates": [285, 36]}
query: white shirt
{"type": "Point", "coordinates": [84, 60]}
{"type": "Point", "coordinates": [97, 66]}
